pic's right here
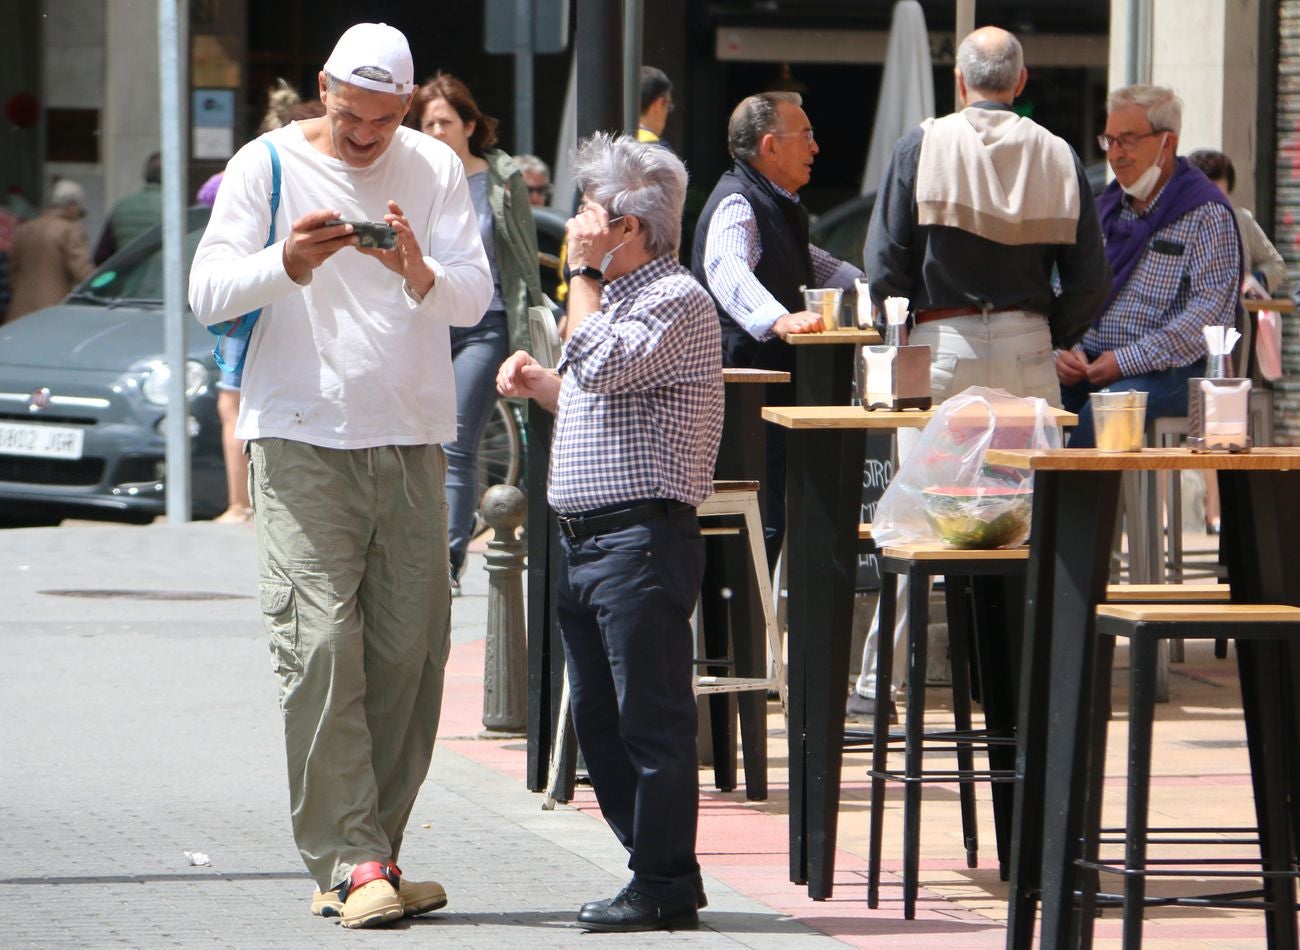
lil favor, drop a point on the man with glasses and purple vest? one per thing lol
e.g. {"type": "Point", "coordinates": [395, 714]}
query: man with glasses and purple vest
{"type": "Point", "coordinates": [1172, 242]}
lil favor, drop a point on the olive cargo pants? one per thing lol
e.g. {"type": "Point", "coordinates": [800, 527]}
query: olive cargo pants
{"type": "Point", "coordinates": [352, 549]}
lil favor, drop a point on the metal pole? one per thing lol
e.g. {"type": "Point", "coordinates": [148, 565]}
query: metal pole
{"type": "Point", "coordinates": [524, 77]}
{"type": "Point", "coordinates": [1137, 46]}
{"type": "Point", "coordinates": [172, 15]}
{"type": "Point", "coordinates": [963, 26]}
{"type": "Point", "coordinates": [633, 27]}
{"type": "Point", "coordinates": [598, 47]}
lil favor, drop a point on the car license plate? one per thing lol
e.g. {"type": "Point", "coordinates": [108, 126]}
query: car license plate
{"type": "Point", "coordinates": [50, 442]}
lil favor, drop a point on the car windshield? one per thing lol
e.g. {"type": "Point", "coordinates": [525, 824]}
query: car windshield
{"type": "Point", "coordinates": [136, 272]}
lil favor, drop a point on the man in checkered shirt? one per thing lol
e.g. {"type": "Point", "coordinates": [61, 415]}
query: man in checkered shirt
{"type": "Point", "coordinates": [638, 404]}
{"type": "Point", "coordinates": [1172, 242]}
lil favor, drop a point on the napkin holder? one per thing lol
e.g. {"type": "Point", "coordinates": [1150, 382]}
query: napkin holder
{"type": "Point", "coordinates": [1218, 415]}
{"type": "Point", "coordinates": [895, 377]}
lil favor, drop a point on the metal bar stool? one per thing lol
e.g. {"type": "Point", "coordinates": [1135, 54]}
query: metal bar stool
{"type": "Point", "coordinates": [968, 624]}
{"type": "Point", "coordinates": [1267, 636]}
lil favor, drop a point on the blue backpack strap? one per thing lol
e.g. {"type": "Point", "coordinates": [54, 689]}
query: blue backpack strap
{"type": "Point", "coordinates": [242, 327]}
{"type": "Point", "coordinates": [275, 188]}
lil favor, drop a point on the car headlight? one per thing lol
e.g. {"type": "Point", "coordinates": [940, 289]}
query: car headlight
{"type": "Point", "coordinates": [157, 378]}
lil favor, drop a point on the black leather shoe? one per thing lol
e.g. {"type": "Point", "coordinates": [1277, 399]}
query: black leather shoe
{"type": "Point", "coordinates": [633, 911]}
{"type": "Point", "coordinates": [701, 899]}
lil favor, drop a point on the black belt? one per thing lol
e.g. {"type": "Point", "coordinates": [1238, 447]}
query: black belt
{"type": "Point", "coordinates": [605, 520]}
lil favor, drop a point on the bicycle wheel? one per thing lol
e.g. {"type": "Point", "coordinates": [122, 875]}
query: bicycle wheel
{"type": "Point", "coordinates": [500, 453]}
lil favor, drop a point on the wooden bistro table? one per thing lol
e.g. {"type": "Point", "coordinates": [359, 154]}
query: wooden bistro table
{"type": "Point", "coordinates": [823, 364]}
{"type": "Point", "coordinates": [823, 498]}
{"type": "Point", "coordinates": [1075, 496]}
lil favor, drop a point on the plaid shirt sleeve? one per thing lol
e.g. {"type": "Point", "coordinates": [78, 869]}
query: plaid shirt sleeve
{"type": "Point", "coordinates": [635, 347]}
{"type": "Point", "coordinates": [830, 271]}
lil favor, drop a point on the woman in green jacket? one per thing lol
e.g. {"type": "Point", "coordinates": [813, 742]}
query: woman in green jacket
{"type": "Point", "coordinates": [445, 109]}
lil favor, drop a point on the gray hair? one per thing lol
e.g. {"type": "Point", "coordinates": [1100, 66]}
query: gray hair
{"type": "Point", "coordinates": [531, 163]}
{"type": "Point", "coordinates": [65, 192]}
{"type": "Point", "coordinates": [755, 117]}
{"type": "Point", "coordinates": [627, 177]}
{"type": "Point", "coordinates": [333, 83]}
{"type": "Point", "coordinates": [1163, 107]}
{"type": "Point", "coordinates": [990, 66]}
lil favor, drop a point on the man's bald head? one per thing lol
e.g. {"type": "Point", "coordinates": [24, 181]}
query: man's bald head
{"type": "Point", "coordinates": [991, 65]}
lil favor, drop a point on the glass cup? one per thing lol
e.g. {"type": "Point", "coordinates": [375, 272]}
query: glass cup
{"type": "Point", "coordinates": [1119, 420]}
{"type": "Point", "coordinates": [825, 303]}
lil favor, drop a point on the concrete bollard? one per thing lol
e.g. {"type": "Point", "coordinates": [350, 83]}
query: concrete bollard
{"type": "Point", "coordinates": [505, 662]}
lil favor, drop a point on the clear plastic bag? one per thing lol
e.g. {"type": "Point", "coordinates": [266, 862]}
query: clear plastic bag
{"type": "Point", "coordinates": [944, 490]}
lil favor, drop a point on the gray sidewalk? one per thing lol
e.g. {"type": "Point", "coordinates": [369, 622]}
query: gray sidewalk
{"type": "Point", "coordinates": [141, 723]}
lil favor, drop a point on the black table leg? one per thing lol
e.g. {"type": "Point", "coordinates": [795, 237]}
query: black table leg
{"type": "Point", "coordinates": [1261, 515]}
{"type": "Point", "coordinates": [545, 653]}
{"type": "Point", "coordinates": [823, 501]}
{"type": "Point", "coordinates": [1074, 516]}
{"type": "Point", "coordinates": [823, 374]}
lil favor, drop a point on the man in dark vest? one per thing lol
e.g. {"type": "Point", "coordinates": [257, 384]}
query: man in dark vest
{"type": "Point", "coordinates": [752, 253]}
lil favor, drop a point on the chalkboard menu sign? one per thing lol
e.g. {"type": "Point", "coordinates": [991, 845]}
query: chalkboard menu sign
{"type": "Point", "coordinates": [876, 473]}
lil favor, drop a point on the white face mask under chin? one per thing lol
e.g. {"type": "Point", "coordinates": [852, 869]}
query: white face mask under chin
{"type": "Point", "coordinates": [1141, 189]}
{"type": "Point", "coordinates": [609, 256]}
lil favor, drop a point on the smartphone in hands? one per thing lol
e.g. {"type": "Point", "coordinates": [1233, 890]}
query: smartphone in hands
{"type": "Point", "coordinates": [376, 234]}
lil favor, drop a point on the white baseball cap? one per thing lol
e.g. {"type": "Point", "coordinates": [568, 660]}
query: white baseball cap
{"type": "Point", "coordinates": [375, 45]}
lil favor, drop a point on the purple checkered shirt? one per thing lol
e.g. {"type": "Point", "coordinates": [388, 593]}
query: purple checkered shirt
{"type": "Point", "coordinates": [1187, 279]}
{"type": "Point", "coordinates": [640, 410]}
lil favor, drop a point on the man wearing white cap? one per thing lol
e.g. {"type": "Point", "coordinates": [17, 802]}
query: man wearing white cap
{"type": "Point", "coordinates": [347, 397]}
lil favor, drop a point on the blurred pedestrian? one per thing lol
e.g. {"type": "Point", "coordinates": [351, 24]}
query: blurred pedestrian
{"type": "Point", "coordinates": [445, 109]}
{"type": "Point", "coordinates": [656, 104]}
{"type": "Point", "coordinates": [51, 253]}
{"type": "Point", "coordinates": [1265, 270]}
{"type": "Point", "coordinates": [134, 214]}
{"type": "Point", "coordinates": [537, 176]}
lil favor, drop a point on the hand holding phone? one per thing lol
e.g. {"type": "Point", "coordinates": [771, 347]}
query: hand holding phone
{"type": "Point", "coordinates": [376, 234]}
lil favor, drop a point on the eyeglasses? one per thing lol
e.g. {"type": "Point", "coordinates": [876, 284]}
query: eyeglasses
{"type": "Point", "coordinates": [806, 133]}
{"type": "Point", "coordinates": [1127, 141]}
{"type": "Point", "coordinates": [540, 189]}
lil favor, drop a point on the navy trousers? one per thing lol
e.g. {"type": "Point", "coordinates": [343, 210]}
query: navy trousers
{"type": "Point", "coordinates": [625, 601]}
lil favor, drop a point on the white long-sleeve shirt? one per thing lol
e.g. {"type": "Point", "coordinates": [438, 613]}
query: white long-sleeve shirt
{"type": "Point", "coordinates": [350, 359]}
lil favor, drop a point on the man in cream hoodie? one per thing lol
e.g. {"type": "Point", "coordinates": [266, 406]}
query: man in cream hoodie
{"type": "Point", "coordinates": [975, 212]}
{"type": "Point", "coordinates": [347, 397]}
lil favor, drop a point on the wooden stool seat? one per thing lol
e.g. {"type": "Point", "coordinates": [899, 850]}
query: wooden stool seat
{"type": "Point", "coordinates": [1177, 593]}
{"type": "Point", "coordinates": [723, 487]}
{"type": "Point", "coordinates": [938, 551]}
{"type": "Point", "coordinates": [1205, 614]}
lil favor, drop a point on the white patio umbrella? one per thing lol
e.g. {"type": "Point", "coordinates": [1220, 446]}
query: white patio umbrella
{"type": "Point", "coordinates": [906, 89]}
{"type": "Point", "coordinates": [562, 174]}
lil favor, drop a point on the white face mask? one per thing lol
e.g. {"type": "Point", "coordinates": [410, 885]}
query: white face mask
{"type": "Point", "coordinates": [1146, 182]}
{"type": "Point", "coordinates": [609, 256]}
